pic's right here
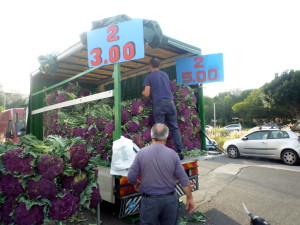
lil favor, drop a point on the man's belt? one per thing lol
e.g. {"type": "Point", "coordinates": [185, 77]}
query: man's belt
{"type": "Point", "coordinates": [157, 196]}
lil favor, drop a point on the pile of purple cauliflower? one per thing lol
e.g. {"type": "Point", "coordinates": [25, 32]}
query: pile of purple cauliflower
{"type": "Point", "coordinates": [94, 121]}
{"type": "Point", "coordinates": [43, 181]}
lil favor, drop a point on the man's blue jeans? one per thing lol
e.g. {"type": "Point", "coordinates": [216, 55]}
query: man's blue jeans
{"type": "Point", "coordinates": [166, 111]}
{"type": "Point", "coordinates": [162, 210]}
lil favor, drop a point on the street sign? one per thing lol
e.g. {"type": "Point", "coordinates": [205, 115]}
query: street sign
{"type": "Point", "coordinates": [200, 69]}
{"type": "Point", "coordinates": [116, 43]}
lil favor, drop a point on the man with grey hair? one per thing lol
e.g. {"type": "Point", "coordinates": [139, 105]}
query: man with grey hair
{"type": "Point", "coordinates": [158, 167]}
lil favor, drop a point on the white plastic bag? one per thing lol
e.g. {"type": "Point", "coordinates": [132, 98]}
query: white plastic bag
{"type": "Point", "coordinates": [123, 154]}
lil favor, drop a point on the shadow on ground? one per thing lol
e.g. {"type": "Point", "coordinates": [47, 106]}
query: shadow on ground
{"type": "Point", "coordinates": [213, 217]}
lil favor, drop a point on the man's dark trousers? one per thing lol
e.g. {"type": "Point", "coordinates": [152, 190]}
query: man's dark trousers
{"type": "Point", "coordinates": [166, 111]}
{"type": "Point", "coordinates": [162, 210]}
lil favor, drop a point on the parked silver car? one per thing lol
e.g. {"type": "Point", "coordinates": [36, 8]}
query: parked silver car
{"type": "Point", "coordinates": [211, 144]}
{"type": "Point", "coordinates": [232, 127]}
{"type": "Point", "coordinates": [271, 143]}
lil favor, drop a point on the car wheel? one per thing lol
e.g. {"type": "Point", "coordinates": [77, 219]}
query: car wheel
{"type": "Point", "coordinates": [290, 157]}
{"type": "Point", "coordinates": [233, 152]}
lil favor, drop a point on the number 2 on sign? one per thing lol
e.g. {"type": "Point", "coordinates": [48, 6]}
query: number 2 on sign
{"type": "Point", "coordinates": [112, 31]}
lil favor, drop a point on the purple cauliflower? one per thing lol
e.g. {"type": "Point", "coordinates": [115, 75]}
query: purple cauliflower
{"type": "Point", "coordinates": [188, 132]}
{"type": "Point", "coordinates": [105, 155]}
{"type": "Point", "coordinates": [42, 189]}
{"type": "Point", "coordinates": [190, 145]}
{"type": "Point", "coordinates": [99, 148]}
{"type": "Point", "coordinates": [173, 86]}
{"type": "Point", "coordinates": [197, 136]}
{"type": "Point", "coordinates": [35, 215]}
{"type": "Point", "coordinates": [104, 141]}
{"type": "Point", "coordinates": [137, 108]}
{"type": "Point", "coordinates": [73, 88]}
{"type": "Point", "coordinates": [109, 127]}
{"type": "Point", "coordinates": [197, 144]}
{"type": "Point", "coordinates": [63, 208]}
{"type": "Point", "coordinates": [185, 141]}
{"type": "Point", "coordinates": [126, 135]}
{"type": "Point", "coordinates": [50, 166]}
{"type": "Point", "coordinates": [170, 145]}
{"type": "Point", "coordinates": [92, 131]}
{"type": "Point", "coordinates": [49, 99]}
{"type": "Point", "coordinates": [125, 115]}
{"type": "Point", "coordinates": [79, 156]}
{"type": "Point", "coordinates": [95, 198]}
{"type": "Point", "coordinates": [146, 135]}
{"type": "Point", "coordinates": [100, 124]}
{"type": "Point", "coordinates": [194, 99]}
{"type": "Point", "coordinates": [84, 93]}
{"type": "Point", "coordinates": [133, 127]}
{"type": "Point", "coordinates": [90, 120]}
{"type": "Point", "coordinates": [147, 102]}
{"type": "Point", "coordinates": [182, 105]}
{"type": "Point", "coordinates": [8, 206]}
{"type": "Point", "coordinates": [10, 186]}
{"type": "Point", "coordinates": [55, 92]}
{"type": "Point", "coordinates": [61, 98]}
{"type": "Point", "coordinates": [76, 183]}
{"type": "Point", "coordinates": [15, 164]}
{"type": "Point", "coordinates": [183, 92]}
{"type": "Point", "coordinates": [138, 140]}
{"type": "Point", "coordinates": [186, 113]}
{"type": "Point", "coordinates": [145, 121]}
{"type": "Point", "coordinates": [183, 126]}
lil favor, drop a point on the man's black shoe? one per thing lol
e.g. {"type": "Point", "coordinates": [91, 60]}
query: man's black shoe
{"type": "Point", "coordinates": [181, 156]}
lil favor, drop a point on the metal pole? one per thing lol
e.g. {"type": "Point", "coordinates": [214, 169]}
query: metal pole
{"type": "Point", "coordinates": [201, 114]}
{"type": "Point", "coordinates": [215, 119]}
{"type": "Point", "coordinates": [117, 101]}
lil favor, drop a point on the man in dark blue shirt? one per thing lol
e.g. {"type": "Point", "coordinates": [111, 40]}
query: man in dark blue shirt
{"type": "Point", "coordinates": [157, 86]}
{"type": "Point", "coordinates": [159, 166]}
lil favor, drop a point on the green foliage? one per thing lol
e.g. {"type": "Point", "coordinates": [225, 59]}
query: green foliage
{"type": "Point", "coordinates": [196, 217]}
{"type": "Point", "coordinates": [284, 91]}
{"type": "Point", "coordinates": [223, 104]}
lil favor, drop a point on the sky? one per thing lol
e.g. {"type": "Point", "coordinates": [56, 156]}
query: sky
{"type": "Point", "coordinates": [257, 38]}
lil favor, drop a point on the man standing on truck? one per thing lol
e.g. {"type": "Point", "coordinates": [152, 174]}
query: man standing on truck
{"type": "Point", "coordinates": [158, 167]}
{"type": "Point", "coordinates": [157, 86]}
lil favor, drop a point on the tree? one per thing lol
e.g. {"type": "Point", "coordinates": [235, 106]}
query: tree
{"type": "Point", "coordinates": [253, 107]}
{"type": "Point", "coordinates": [284, 92]}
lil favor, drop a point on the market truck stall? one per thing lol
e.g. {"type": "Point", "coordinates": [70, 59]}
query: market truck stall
{"type": "Point", "coordinates": [93, 91]}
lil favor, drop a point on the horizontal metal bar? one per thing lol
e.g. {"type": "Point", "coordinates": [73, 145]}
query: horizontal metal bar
{"type": "Point", "coordinates": [77, 101]}
{"type": "Point", "coordinates": [65, 81]}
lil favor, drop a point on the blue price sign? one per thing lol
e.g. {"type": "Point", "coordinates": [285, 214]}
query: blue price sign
{"type": "Point", "coordinates": [200, 69]}
{"type": "Point", "coordinates": [116, 43]}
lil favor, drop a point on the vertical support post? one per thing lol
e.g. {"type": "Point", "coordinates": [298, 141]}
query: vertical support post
{"type": "Point", "coordinates": [117, 101]}
{"type": "Point", "coordinates": [201, 114]}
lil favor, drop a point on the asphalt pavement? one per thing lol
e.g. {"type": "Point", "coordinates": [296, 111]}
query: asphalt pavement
{"type": "Point", "coordinates": [268, 188]}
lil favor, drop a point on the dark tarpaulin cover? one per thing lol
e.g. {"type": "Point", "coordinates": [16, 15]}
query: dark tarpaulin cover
{"type": "Point", "coordinates": [152, 32]}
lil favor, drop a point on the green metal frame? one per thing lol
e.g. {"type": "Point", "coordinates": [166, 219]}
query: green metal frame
{"type": "Point", "coordinates": [117, 101]}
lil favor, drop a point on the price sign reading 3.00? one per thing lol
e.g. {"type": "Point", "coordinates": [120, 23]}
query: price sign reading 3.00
{"type": "Point", "coordinates": [116, 43]}
{"type": "Point", "coordinates": [200, 69]}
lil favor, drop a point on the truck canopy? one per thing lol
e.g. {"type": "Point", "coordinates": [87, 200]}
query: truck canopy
{"type": "Point", "coordinates": [72, 65]}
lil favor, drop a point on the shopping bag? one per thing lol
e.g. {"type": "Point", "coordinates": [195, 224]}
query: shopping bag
{"type": "Point", "coordinates": [123, 154]}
